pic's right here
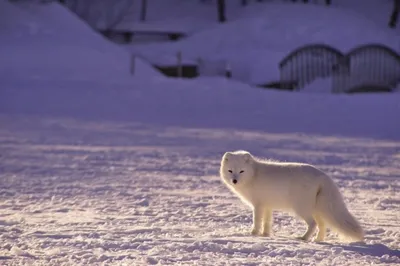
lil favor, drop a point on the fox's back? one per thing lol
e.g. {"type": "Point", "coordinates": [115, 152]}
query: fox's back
{"type": "Point", "coordinates": [287, 172]}
{"type": "Point", "coordinates": [284, 184]}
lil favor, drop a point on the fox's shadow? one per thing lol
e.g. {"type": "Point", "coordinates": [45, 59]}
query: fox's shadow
{"type": "Point", "coordinates": [376, 250]}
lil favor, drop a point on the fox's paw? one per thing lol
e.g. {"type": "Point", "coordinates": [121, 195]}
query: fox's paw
{"type": "Point", "coordinates": [254, 232]}
{"type": "Point", "coordinates": [266, 234]}
{"type": "Point", "coordinates": [302, 238]}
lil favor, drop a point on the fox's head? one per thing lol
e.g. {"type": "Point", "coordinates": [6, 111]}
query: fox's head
{"type": "Point", "coordinates": [237, 168]}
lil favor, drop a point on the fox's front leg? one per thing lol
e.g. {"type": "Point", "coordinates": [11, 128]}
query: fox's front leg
{"type": "Point", "coordinates": [257, 219]}
{"type": "Point", "coordinates": [267, 222]}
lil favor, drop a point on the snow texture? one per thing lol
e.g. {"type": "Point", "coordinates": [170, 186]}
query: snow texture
{"type": "Point", "coordinates": [98, 167]}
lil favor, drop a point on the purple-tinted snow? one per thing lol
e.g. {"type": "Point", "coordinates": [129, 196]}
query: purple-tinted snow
{"type": "Point", "coordinates": [100, 167]}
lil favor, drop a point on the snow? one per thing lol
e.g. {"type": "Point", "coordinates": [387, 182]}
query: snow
{"type": "Point", "coordinates": [42, 39]}
{"type": "Point", "coordinates": [208, 102]}
{"type": "Point", "coordinates": [319, 85]}
{"type": "Point", "coordinates": [191, 16]}
{"type": "Point", "coordinates": [264, 34]}
{"type": "Point", "coordinates": [101, 167]}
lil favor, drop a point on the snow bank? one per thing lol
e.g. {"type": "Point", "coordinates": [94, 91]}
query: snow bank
{"type": "Point", "coordinates": [47, 41]}
{"type": "Point", "coordinates": [320, 85]}
{"type": "Point", "coordinates": [207, 103]}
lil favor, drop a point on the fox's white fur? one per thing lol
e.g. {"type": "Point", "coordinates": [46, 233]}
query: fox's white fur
{"type": "Point", "coordinates": [300, 188]}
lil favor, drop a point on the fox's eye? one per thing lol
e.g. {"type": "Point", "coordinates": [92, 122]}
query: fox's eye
{"type": "Point", "coordinates": [241, 172]}
{"type": "Point", "coordinates": [230, 171]}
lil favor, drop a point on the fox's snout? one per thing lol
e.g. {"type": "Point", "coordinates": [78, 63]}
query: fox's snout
{"type": "Point", "coordinates": [234, 179]}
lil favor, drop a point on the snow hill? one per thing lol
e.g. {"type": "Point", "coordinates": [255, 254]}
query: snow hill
{"type": "Point", "coordinates": [47, 42]}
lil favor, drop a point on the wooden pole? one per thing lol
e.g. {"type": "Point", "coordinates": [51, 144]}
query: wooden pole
{"type": "Point", "coordinates": [143, 10]}
{"type": "Point", "coordinates": [221, 10]}
{"type": "Point", "coordinates": [179, 61]}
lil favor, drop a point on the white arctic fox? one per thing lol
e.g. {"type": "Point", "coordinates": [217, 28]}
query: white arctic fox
{"type": "Point", "coordinates": [295, 187]}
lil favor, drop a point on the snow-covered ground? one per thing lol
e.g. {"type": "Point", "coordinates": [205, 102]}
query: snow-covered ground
{"type": "Point", "coordinates": [103, 168]}
{"type": "Point", "coordinates": [79, 192]}
{"type": "Point", "coordinates": [126, 178]}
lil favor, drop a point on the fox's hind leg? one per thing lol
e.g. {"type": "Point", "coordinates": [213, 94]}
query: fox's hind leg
{"type": "Point", "coordinates": [321, 228]}
{"type": "Point", "coordinates": [312, 225]}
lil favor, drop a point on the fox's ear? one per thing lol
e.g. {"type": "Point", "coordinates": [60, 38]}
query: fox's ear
{"type": "Point", "coordinates": [226, 156]}
{"type": "Point", "coordinates": [248, 157]}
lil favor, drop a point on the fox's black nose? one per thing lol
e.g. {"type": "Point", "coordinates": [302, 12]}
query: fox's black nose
{"type": "Point", "coordinates": [234, 181]}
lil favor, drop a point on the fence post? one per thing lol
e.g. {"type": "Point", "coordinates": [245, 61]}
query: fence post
{"type": "Point", "coordinates": [395, 14]}
{"type": "Point", "coordinates": [179, 63]}
{"type": "Point", "coordinates": [143, 10]}
{"type": "Point", "coordinates": [228, 70]}
{"type": "Point", "coordinates": [341, 76]}
{"type": "Point", "coordinates": [221, 11]}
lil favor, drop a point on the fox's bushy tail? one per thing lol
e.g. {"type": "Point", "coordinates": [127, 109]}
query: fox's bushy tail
{"type": "Point", "coordinates": [332, 209]}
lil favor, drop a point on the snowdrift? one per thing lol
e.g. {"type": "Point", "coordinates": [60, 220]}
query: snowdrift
{"type": "Point", "coordinates": [207, 103]}
{"type": "Point", "coordinates": [254, 44]}
{"type": "Point", "coordinates": [47, 41]}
